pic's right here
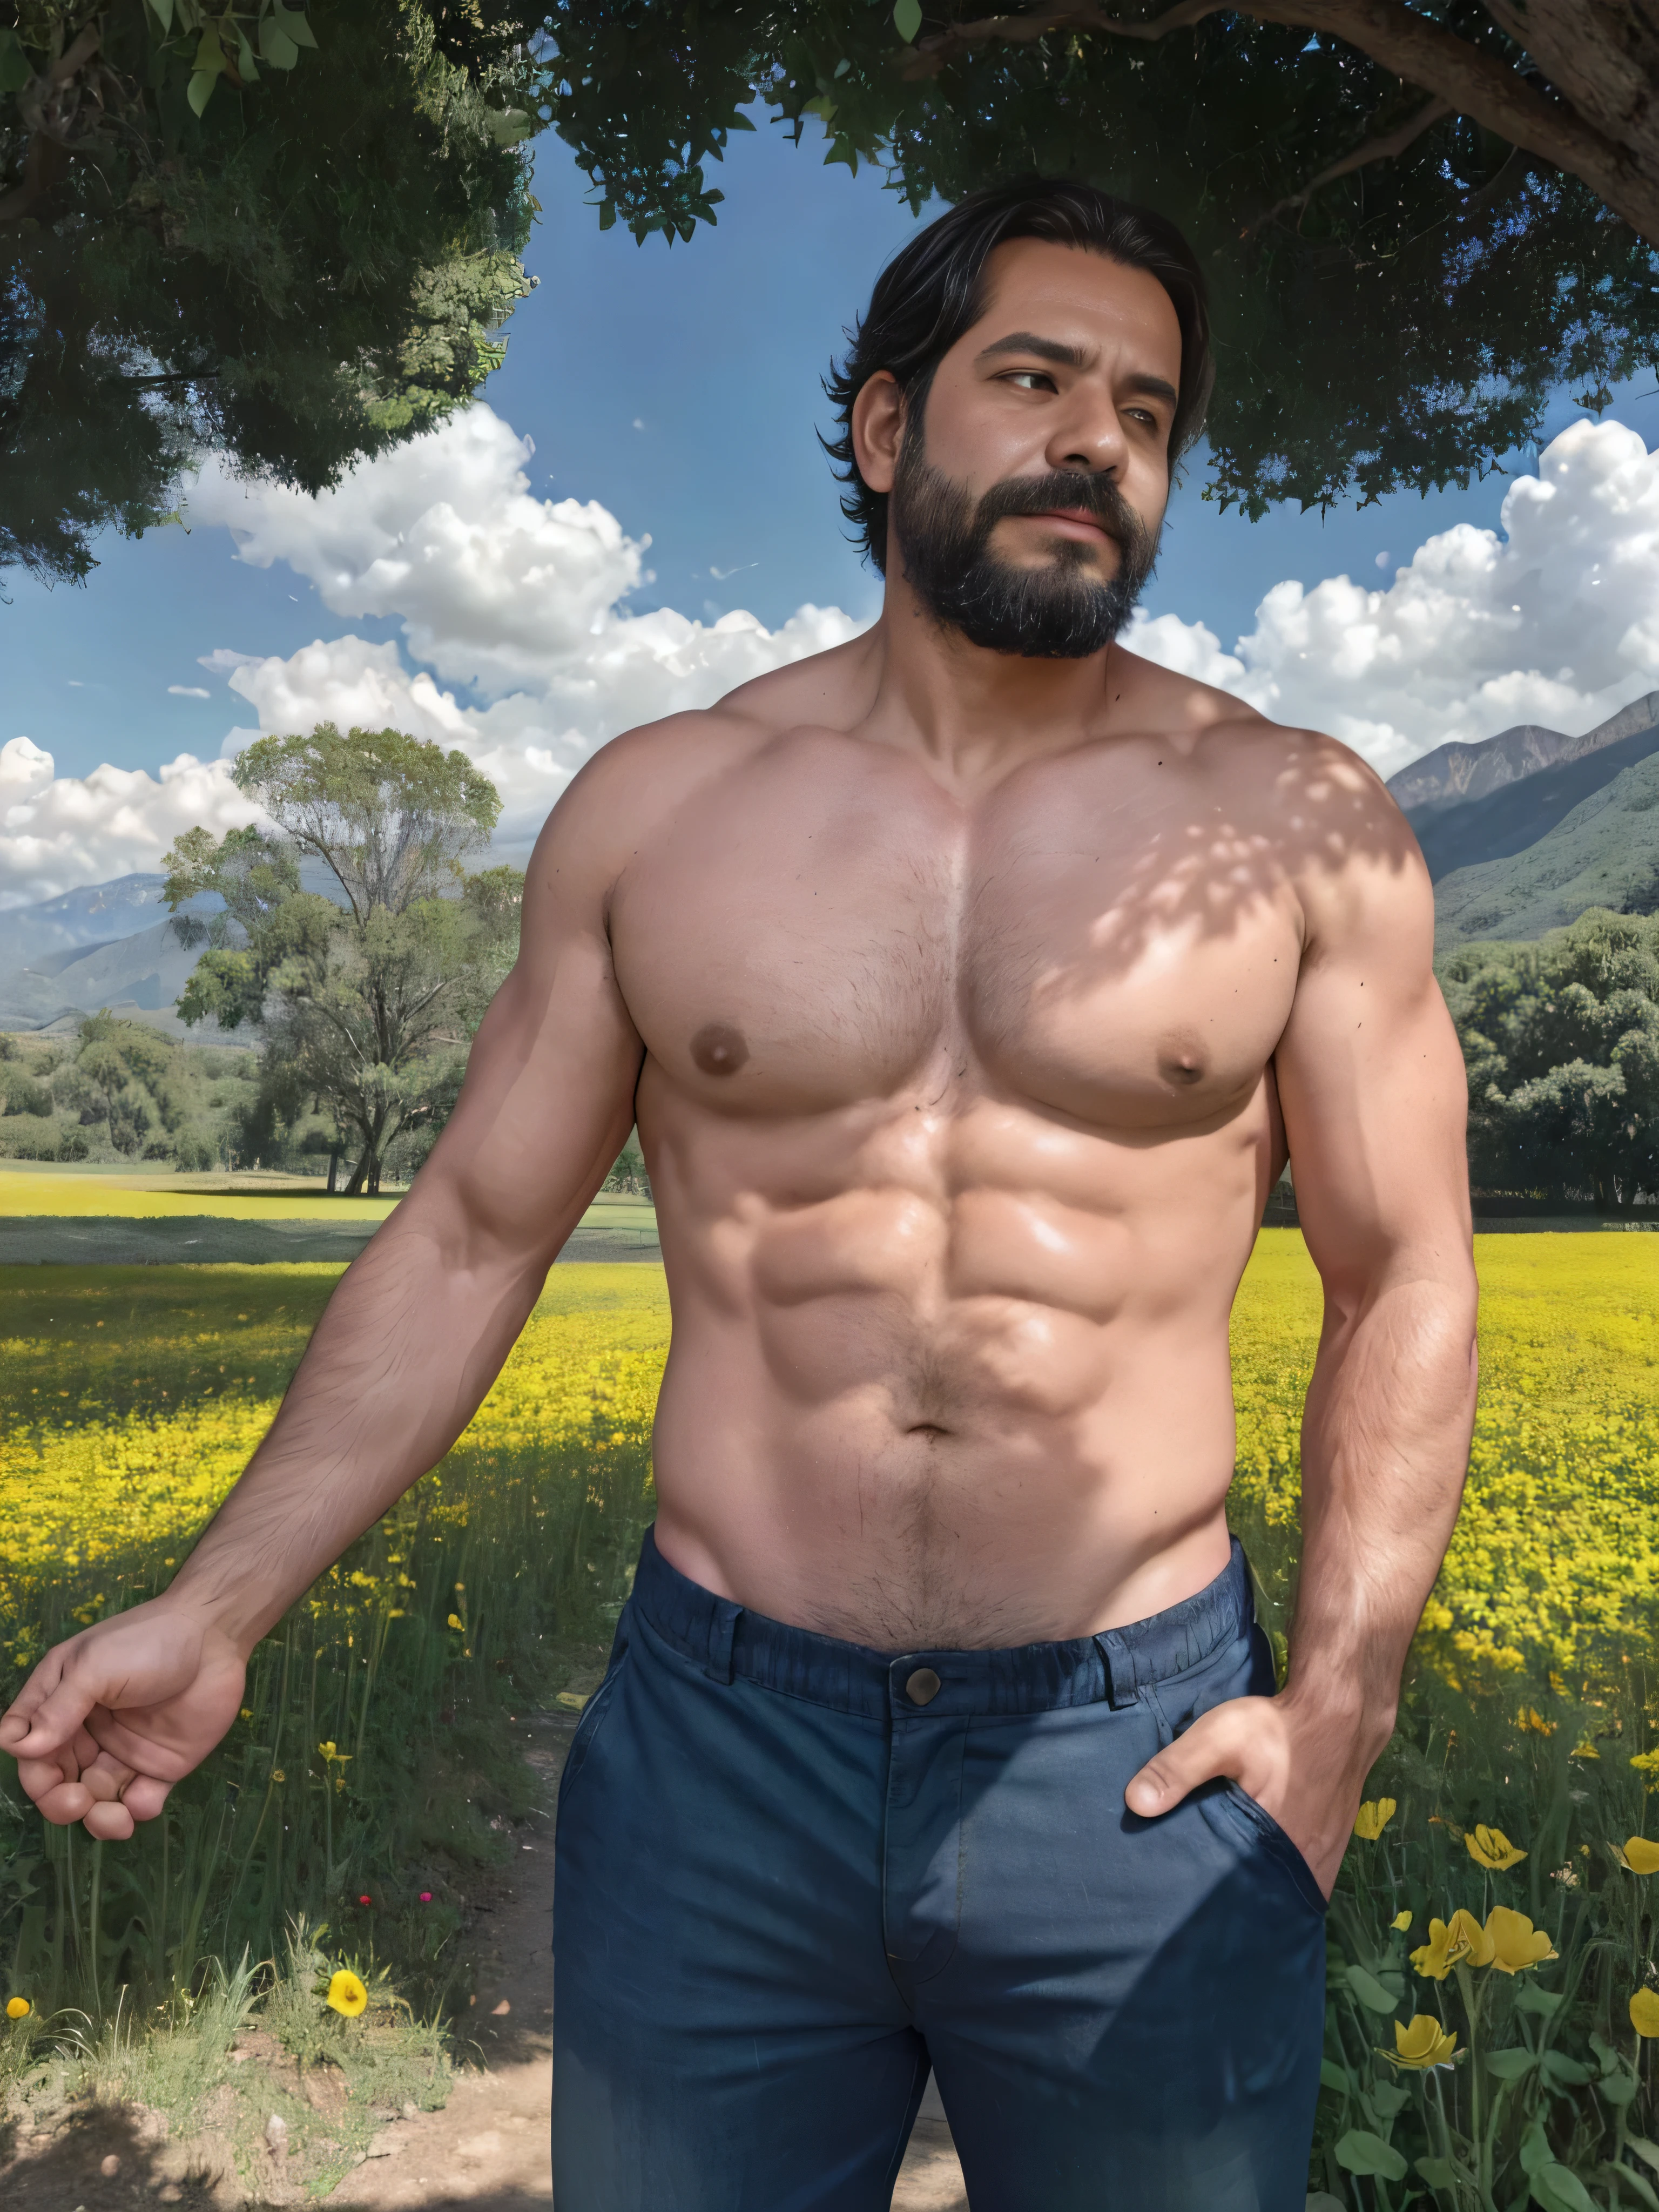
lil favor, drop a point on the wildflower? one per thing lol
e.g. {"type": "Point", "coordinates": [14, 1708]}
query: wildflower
{"type": "Point", "coordinates": [1644, 2012]}
{"type": "Point", "coordinates": [346, 1993]}
{"type": "Point", "coordinates": [426, 1897]}
{"type": "Point", "coordinates": [1423, 2045]}
{"type": "Point", "coordinates": [18, 2008]}
{"type": "Point", "coordinates": [1373, 1817]}
{"type": "Point", "coordinates": [333, 1755]}
{"type": "Point", "coordinates": [1646, 1762]}
{"type": "Point", "coordinates": [1460, 1941]}
{"type": "Point", "coordinates": [1491, 1849]}
{"type": "Point", "coordinates": [1514, 1943]}
{"type": "Point", "coordinates": [1530, 1717]}
{"type": "Point", "coordinates": [455, 1621]}
{"type": "Point", "coordinates": [1401, 1921]}
{"type": "Point", "coordinates": [1584, 1750]}
{"type": "Point", "coordinates": [365, 1901]}
{"type": "Point", "coordinates": [1640, 1855]}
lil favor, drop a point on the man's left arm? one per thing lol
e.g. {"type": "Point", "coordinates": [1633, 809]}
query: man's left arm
{"type": "Point", "coordinates": [1370, 1082]}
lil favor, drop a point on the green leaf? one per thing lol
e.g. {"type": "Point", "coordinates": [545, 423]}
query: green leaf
{"type": "Point", "coordinates": [1535, 2151]}
{"type": "Point", "coordinates": [507, 125]}
{"type": "Point", "coordinates": [1375, 1995]}
{"type": "Point", "coordinates": [162, 11]}
{"type": "Point", "coordinates": [907, 20]}
{"type": "Point", "coordinates": [1361, 2152]}
{"type": "Point", "coordinates": [1644, 2148]}
{"type": "Point", "coordinates": [209, 60]}
{"type": "Point", "coordinates": [1386, 2099]}
{"type": "Point", "coordinates": [1627, 2177]}
{"type": "Point", "coordinates": [1558, 2188]}
{"type": "Point", "coordinates": [1438, 2172]}
{"type": "Point", "coordinates": [199, 90]}
{"type": "Point", "coordinates": [607, 213]}
{"type": "Point", "coordinates": [1509, 2065]}
{"type": "Point", "coordinates": [1334, 2076]}
{"type": "Point", "coordinates": [1545, 2003]}
{"type": "Point", "coordinates": [274, 45]}
{"type": "Point", "coordinates": [291, 22]}
{"type": "Point", "coordinates": [1619, 2089]}
{"type": "Point", "coordinates": [1561, 2072]}
{"type": "Point", "coordinates": [15, 69]}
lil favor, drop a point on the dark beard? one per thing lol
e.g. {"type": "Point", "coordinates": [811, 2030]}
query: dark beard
{"type": "Point", "coordinates": [1060, 611]}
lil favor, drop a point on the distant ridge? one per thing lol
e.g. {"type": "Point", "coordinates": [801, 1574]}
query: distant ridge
{"type": "Point", "coordinates": [1453, 774]}
{"type": "Point", "coordinates": [1604, 852]}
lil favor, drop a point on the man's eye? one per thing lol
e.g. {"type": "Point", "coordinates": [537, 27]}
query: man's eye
{"type": "Point", "coordinates": [1031, 379]}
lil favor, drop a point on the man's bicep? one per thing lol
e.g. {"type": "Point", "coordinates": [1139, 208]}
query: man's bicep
{"type": "Point", "coordinates": [548, 1100]}
{"type": "Point", "coordinates": [1370, 1077]}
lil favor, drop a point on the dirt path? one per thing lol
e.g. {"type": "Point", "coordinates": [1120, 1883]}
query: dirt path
{"type": "Point", "coordinates": [488, 2148]}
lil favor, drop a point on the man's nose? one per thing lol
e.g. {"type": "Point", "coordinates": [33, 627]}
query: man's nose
{"type": "Point", "coordinates": [1090, 438]}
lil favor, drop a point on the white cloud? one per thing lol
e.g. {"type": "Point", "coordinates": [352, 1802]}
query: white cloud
{"type": "Point", "coordinates": [57, 831]}
{"type": "Point", "coordinates": [515, 618]}
{"type": "Point", "coordinates": [1555, 620]}
{"type": "Point", "coordinates": [188, 691]}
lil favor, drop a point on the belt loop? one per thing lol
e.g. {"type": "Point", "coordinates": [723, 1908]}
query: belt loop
{"type": "Point", "coordinates": [722, 1630]}
{"type": "Point", "coordinates": [1121, 1689]}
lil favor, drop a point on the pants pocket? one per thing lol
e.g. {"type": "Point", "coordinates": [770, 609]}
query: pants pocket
{"type": "Point", "coordinates": [1257, 1826]}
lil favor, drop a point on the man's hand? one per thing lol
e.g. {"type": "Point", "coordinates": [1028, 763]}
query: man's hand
{"type": "Point", "coordinates": [108, 1722]}
{"type": "Point", "coordinates": [1305, 1769]}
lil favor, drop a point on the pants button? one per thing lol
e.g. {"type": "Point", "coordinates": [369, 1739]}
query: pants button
{"type": "Point", "coordinates": [923, 1686]}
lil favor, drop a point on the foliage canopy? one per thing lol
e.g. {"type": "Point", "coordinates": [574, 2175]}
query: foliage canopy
{"type": "Point", "coordinates": [292, 245]}
{"type": "Point", "coordinates": [1398, 283]}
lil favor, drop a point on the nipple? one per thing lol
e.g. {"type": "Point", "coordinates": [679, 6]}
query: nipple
{"type": "Point", "coordinates": [719, 1049]}
{"type": "Point", "coordinates": [1180, 1061]}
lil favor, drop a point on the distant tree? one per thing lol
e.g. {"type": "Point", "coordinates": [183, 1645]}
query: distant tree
{"type": "Point", "coordinates": [365, 997]}
{"type": "Point", "coordinates": [1561, 1040]}
{"type": "Point", "coordinates": [124, 1076]}
{"type": "Point", "coordinates": [225, 229]}
{"type": "Point", "coordinates": [1418, 222]}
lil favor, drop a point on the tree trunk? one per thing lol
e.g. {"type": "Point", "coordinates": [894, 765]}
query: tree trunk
{"type": "Point", "coordinates": [333, 1171]}
{"type": "Point", "coordinates": [355, 1187]}
{"type": "Point", "coordinates": [373, 1161]}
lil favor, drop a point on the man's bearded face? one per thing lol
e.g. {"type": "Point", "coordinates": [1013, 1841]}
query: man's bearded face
{"type": "Point", "coordinates": [1062, 608]}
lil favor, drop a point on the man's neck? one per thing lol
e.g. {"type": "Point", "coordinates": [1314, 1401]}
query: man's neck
{"type": "Point", "coordinates": [973, 715]}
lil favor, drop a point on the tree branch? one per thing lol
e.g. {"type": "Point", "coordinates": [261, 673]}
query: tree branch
{"type": "Point", "coordinates": [1382, 148]}
{"type": "Point", "coordinates": [1471, 82]}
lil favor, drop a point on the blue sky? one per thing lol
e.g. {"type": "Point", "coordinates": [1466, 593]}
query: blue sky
{"type": "Point", "coordinates": [678, 386]}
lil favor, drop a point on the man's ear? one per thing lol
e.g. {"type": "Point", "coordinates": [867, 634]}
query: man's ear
{"type": "Point", "coordinates": [877, 427]}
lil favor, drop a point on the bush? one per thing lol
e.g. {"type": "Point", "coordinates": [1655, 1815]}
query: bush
{"type": "Point", "coordinates": [194, 1154]}
{"type": "Point", "coordinates": [26, 1138]}
{"type": "Point", "coordinates": [72, 1146]}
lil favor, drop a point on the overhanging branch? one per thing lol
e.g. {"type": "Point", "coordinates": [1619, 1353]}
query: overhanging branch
{"type": "Point", "coordinates": [1383, 148]}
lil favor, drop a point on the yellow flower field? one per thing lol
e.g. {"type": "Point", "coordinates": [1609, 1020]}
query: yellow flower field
{"type": "Point", "coordinates": [1557, 1552]}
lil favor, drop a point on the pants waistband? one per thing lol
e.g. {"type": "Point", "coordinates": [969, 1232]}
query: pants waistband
{"type": "Point", "coordinates": [727, 1641]}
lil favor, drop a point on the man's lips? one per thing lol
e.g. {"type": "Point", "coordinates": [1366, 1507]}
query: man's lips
{"type": "Point", "coordinates": [1075, 522]}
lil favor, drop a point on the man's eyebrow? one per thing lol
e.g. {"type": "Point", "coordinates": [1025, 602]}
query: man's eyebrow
{"type": "Point", "coordinates": [1077, 357]}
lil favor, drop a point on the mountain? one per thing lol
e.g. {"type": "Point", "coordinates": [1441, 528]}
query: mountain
{"type": "Point", "coordinates": [94, 914]}
{"type": "Point", "coordinates": [1454, 774]}
{"type": "Point", "coordinates": [1516, 815]}
{"type": "Point", "coordinates": [103, 944]}
{"type": "Point", "coordinates": [1604, 852]}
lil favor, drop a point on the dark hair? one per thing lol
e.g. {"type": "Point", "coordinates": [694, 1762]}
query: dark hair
{"type": "Point", "coordinates": [933, 290]}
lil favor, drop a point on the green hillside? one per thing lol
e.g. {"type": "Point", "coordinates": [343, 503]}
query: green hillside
{"type": "Point", "coordinates": [1604, 853]}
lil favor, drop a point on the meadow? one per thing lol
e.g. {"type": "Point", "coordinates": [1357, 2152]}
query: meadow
{"type": "Point", "coordinates": [1493, 2003]}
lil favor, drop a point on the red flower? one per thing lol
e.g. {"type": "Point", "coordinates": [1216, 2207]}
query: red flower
{"type": "Point", "coordinates": [365, 1901]}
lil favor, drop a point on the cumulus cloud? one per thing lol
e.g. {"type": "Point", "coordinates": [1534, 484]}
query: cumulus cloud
{"type": "Point", "coordinates": [57, 831]}
{"type": "Point", "coordinates": [520, 645]}
{"type": "Point", "coordinates": [188, 691]}
{"type": "Point", "coordinates": [1553, 618]}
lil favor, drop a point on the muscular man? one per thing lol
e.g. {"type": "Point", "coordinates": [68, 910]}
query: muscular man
{"type": "Point", "coordinates": [970, 984]}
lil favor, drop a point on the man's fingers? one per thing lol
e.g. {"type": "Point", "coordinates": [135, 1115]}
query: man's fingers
{"type": "Point", "coordinates": [49, 1721]}
{"type": "Point", "coordinates": [1211, 1746]}
{"type": "Point", "coordinates": [110, 1821]}
{"type": "Point", "coordinates": [144, 1796]}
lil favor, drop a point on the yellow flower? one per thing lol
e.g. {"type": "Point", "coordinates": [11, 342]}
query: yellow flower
{"type": "Point", "coordinates": [1515, 1941]}
{"type": "Point", "coordinates": [1530, 1717]}
{"type": "Point", "coordinates": [1644, 2012]}
{"type": "Point", "coordinates": [1374, 1816]}
{"type": "Point", "coordinates": [1646, 1762]}
{"type": "Point", "coordinates": [1641, 1856]}
{"type": "Point", "coordinates": [347, 1994]}
{"type": "Point", "coordinates": [455, 1621]}
{"type": "Point", "coordinates": [1434, 1959]}
{"type": "Point", "coordinates": [332, 1753]}
{"type": "Point", "coordinates": [1401, 1921]}
{"type": "Point", "coordinates": [1491, 1849]}
{"type": "Point", "coordinates": [1423, 2045]}
{"type": "Point", "coordinates": [1470, 1944]}
{"type": "Point", "coordinates": [1584, 1750]}
{"type": "Point", "coordinates": [18, 2008]}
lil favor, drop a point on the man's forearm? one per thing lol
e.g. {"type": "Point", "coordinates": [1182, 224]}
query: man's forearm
{"type": "Point", "coordinates": [1384, 1450]}
{"type": "Point", "coordinates": [407, 1349]}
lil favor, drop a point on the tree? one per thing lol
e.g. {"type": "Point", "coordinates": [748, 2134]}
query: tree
{"type": "Point", "coordinates": [1417, 222]}
{"type": "Point", "coordinates": [224, 230]}
{"type": "Point", "coordinates": [1560, 1038]}
{"type": "Point", "coordinates": [366, 996]}
{"type": "Point", "coordinates": [126, 1076]}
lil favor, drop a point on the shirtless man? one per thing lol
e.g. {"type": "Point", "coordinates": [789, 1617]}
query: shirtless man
{"type": "Point", "coordinates": [970, 985]}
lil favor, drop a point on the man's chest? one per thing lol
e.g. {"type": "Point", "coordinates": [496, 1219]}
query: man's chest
{"type": "Point", "coordinates": [1114, 955]}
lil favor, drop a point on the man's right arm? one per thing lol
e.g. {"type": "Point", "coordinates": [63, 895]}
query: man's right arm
{"type": "Point", "coordinates": [407, 1350]}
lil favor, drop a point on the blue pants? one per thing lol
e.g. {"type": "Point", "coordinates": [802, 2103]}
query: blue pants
{"type": "Point", "coordinates": [793, 1874]}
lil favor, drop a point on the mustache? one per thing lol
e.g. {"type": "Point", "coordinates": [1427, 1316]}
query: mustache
{"type": "Point", "coordinates": [1094, 495]}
